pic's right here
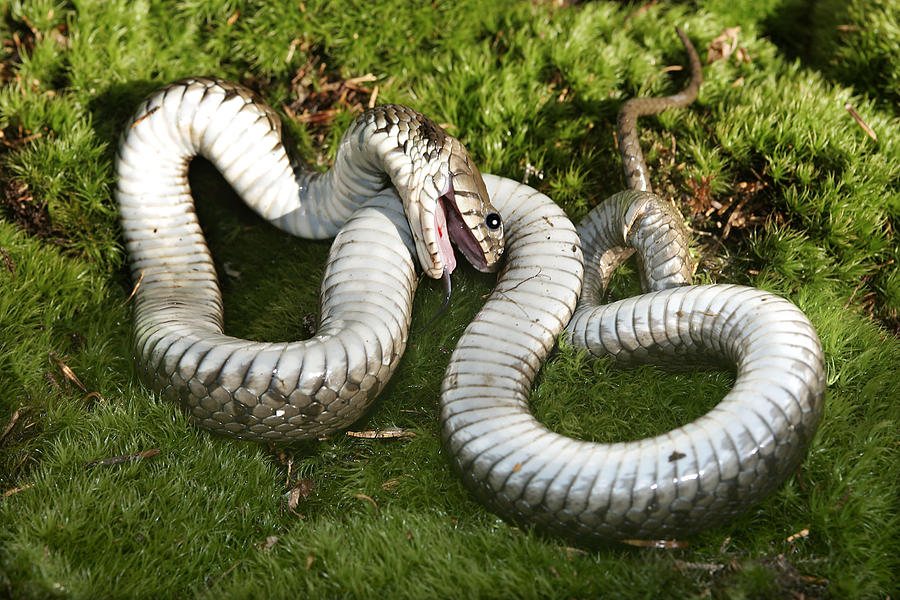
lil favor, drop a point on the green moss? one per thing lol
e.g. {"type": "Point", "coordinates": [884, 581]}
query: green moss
{"type": "Point", "coordinates": [533, 91]}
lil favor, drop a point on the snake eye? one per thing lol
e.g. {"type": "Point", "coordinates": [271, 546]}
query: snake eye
{"type": "Point", "coordinates": [492, 220]}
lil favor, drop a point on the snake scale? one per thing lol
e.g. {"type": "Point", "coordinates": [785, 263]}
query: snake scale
{"type": "Point", "coordinates": [399, 190]}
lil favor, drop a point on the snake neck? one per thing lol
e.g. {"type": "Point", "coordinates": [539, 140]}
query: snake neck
{"type": "Point", "coordinates": [383, 146]}
{"type": "Point", "coordinates": [394, 146]}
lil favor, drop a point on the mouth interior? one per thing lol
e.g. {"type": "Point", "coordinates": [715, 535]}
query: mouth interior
{"type": "Point", "coordinates": [458, 232]}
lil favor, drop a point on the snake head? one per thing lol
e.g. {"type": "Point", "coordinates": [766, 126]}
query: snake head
{"type": "Point", "coordinates": [455, 210]}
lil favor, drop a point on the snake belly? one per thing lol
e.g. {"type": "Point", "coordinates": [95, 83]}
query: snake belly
{"type": "Point", "coordinates": [289, 391]}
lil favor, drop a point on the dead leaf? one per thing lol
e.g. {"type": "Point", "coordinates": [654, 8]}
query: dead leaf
{"type": "Point", "coordinates": [302, 490]}
{"type": "Point", "coordinates": [723, 46]}
{"type": "Point", "coordinates": [271, 540]}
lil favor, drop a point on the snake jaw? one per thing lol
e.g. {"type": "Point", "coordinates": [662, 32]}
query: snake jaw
{"type": "Point", "coordinates": [448, 205]}
{"type": "Point", "coordinates": [459, 233]}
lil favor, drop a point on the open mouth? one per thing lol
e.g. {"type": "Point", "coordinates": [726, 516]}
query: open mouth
{"type": "Point", "coordinates": [451, 228]}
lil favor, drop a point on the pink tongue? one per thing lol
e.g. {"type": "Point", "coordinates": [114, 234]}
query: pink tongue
{"type": "Point", "coordinates": [443, 239]}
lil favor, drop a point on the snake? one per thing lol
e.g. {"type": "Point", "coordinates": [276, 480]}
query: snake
{"type": "Point", "coordinates": [399, 192]}
{"type": "Point", "coordinates": [400, 187]}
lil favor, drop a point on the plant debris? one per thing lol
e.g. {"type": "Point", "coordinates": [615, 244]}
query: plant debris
{"type": "Point", "coordinates": [369, 499]}
{"type": "Point", "coordinates": [382, 434]}
{"type": "Point", "coordinates": [321, 95]}
{"type": "Point", "coordinates": [12, 423]}
{"type": "Point", "coordinates": [7, 261]}
{"type": "Point", "coordinates": [69, 374]}
{"type": "Point", "coordinates": [22, 42]}
{"type": "Point", "coordinates": [267, 545]}
{"type": "Point", "coordinates": [301, 491]}
{"type": "Point", "coordinates": [21, 207]}
{"type": "Point", "coordinates": [16, 490]}
{"type": "Point", "coordinates": [714, 219]}
{"type": "Point", "coordinates": [124, 458]}
{"type": "Point", "coordinates": [859, 121]}
{"type": "Point", "coordinates": [725, 45]}
{"type": "Point", "coordinates": [658, 544]}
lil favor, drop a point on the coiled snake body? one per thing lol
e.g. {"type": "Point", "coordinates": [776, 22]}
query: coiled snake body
{"type": "Point", "coordinates": [687, 479]}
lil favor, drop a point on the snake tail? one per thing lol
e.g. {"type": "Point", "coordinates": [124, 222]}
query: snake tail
{"type": "Point", "coordinates": [637, 176]}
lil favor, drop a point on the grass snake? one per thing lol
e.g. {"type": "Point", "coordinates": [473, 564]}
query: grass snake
{"type": "Point", "coordinates": [399, 190]}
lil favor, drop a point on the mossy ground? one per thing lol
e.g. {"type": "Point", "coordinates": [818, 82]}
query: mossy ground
{"type": "Point", "coordinates": [783, 189]}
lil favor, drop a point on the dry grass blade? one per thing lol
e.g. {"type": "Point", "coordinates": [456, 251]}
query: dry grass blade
{"type": "Point", "coordinates": [699, 566]}
{"type": "Point", "coordinates": [796, 536]}
{"type": "Point", "coordinates": [642, 9]}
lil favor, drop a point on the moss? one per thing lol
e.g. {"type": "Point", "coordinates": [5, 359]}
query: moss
{"type": "Point", "coordinates": [533, 90]}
